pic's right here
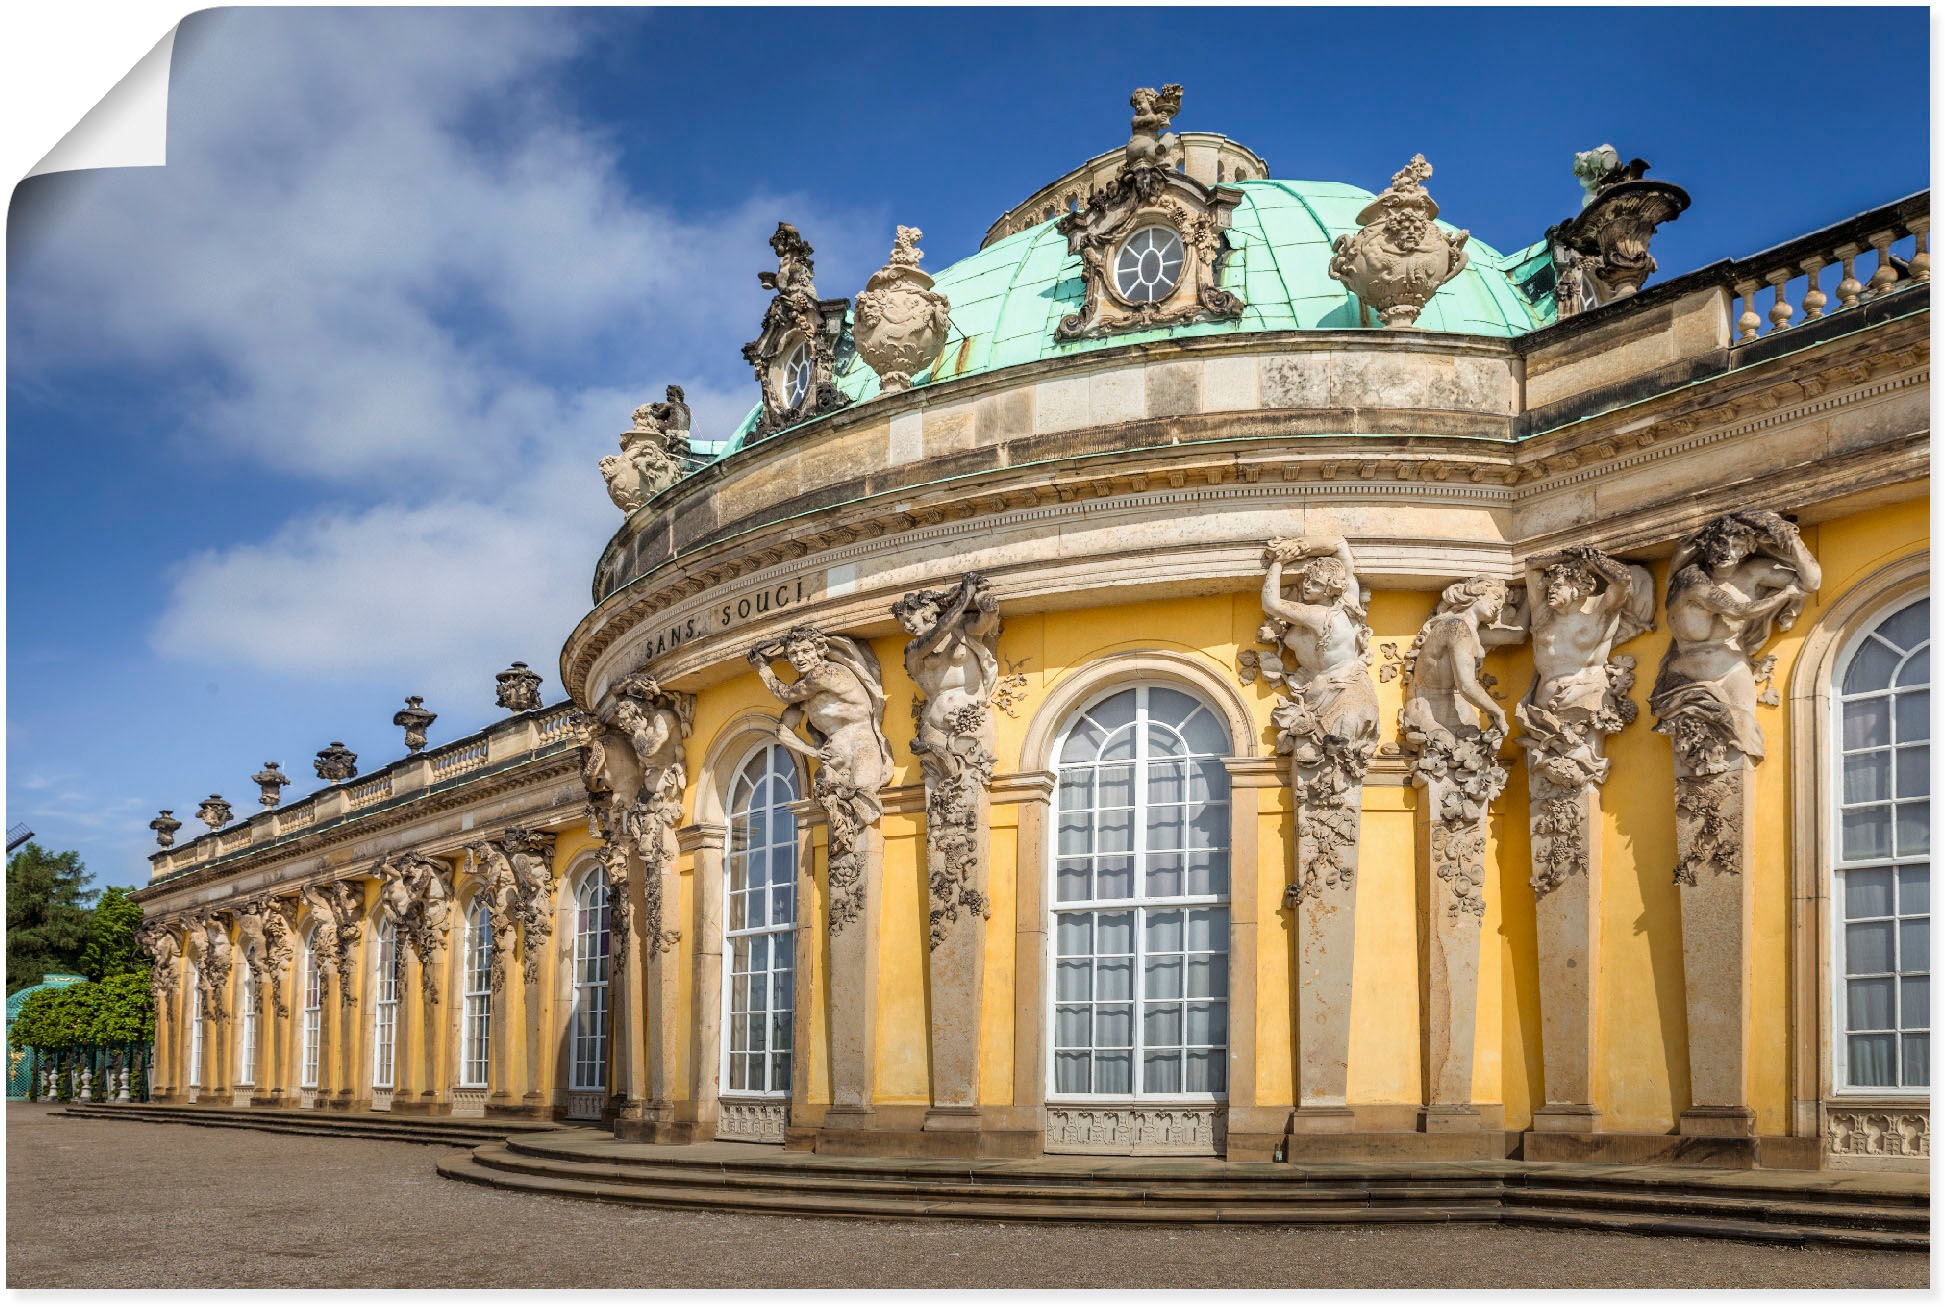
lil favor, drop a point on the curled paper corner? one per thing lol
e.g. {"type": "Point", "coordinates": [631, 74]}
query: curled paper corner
{"type": "Point", "coordinates": [128, 127]}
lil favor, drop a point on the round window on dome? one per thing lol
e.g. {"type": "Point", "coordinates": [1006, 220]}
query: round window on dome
{"type": "Point", "coordinates": [796, 376]}
{"type": "Point", "coordinates": [1148, 265]}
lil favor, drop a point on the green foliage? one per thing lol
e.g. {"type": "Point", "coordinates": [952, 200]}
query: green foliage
{"type": "Point", "coordinates": [118, 1010]}
{"type": "Point", "coordinates": [110, 948]}
{"type": "Point", "coordinates": [47, 919]}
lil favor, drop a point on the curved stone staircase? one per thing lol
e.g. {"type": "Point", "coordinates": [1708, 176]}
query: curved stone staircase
{"type": "Point", "coordinates": [1793, 1207]}
{"type": "Point", "coordinates": [451, 1131]}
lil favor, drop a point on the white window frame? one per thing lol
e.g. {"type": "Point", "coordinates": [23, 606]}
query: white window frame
{"type": "Point", "coordinates": [1138, 902]}
{"type": "Point", "coordinates": [246, 1043]}
{"type": "Point", "coordinates": [778, 763]}
{"type": "Point", "coordinates": [1840, 1031]}
{"type": "Point", "coordinates": [195, 1025]}
{"type": "Point", "coordinates": [384, 1008]}
{"type": "Point", "coordinates": [312, 1019]}
{"type": "Point", "coordinates": [588, 1052]}
{"type": "Point", "coordinates": [476, 996]}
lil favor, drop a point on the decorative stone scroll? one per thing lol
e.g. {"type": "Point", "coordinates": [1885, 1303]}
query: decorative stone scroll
{"type": "Point", "coordinates": [901, 321]}
{"type": "Point", "coordinates": [215, 812]}
{"type": "Point", "coordinates": [1731, 584]}
{"type": "Point", "coordinates": [795, 354]}
{"type": "Point", "coordinates": [336, 763]}
{"type": "Point", "coordinates": [270, 782]}
{"type": "Point", "coordinates": [1601, 254]}
{"type": "Point", "coordinates": [654, 452]}
{"type": "Point", "coordinates": [951, 660]}
{"type": "Point", "coordinates": [165, 827]}
{"type": "Point", "coordinates": [336, 907]}
{"type": "Point", "coordinates": [415, 719]}
{"type": "Point", "coordinates": [1399, 257]}
{"type": "Point", "coordinates": [1455, 763]}
{"type": "Point", "coordinates": [417, 890]}
{"type": "Point", "coordinates": [517, 688]}
{"type": "Point", "coordinates": [1150, 191]}
{"type": "Point", "coordinates": [1582, 605]}
{"type": "Point", "coordinates": [1327, 724]}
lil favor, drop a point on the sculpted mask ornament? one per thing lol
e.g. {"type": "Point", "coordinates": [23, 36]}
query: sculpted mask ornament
{"type": "Point", "coordinates": [901, 322]}
{"type": "Point", "coordinates": [1327, 715]}
{"type": "Point", "coordinates": [1399, 257]}
{"type": "Point", "coordinates": [951, 659]}
{"type": "Point", "coordinates": [1731, 584]}
{"type": "Point", "coordinates": [795, 352]}
{"type": "Point", "coordinates": [1455, 757]}
{"type": "Point", "coordinates": [518, 688]}
{"type": "Point", "coordinates": [654, 452]}
{"type": "Point", "coordinates": [1151, 239]}
{"type": "Point", "coordinates": [270, 784]}
{"type": "Point", "coordinates": [834, 711]}
{"type": "Point", "coordinates": [165, 827]}
{"type": "Point", "coordinates": [214, 812]}
{"type": "Point", "coordinates": [337, 763]}
{"type": "Point", "coordinates": [415, 719]}
{"type": "Point", "coordinates": [1601, 254]}
{"type": "Point", "coordinates": [1583, 604]}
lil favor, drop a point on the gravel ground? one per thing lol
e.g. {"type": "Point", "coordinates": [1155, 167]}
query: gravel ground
{"type": "Point", "coordinates": [104, 1204]}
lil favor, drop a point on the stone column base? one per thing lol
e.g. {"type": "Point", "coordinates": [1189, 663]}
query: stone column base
{"type": "Point", "coordinates": [421, 1106]}
{"type": "Point", "coordinates": [1567, 1118]}
{"type": "Point", "coordinates": [1719, 1122]}
{"type": "Point", "coordinates": [1670, 1149]}
{"type": "Point", "coordinates": [656, 1122]}
{"type": "Point", "coordinates": [1400, 1145]}
{"type": "Point", "coordinates": [1451, 1118]}
{"type": "Point", "coordinates": [1322, 1120]}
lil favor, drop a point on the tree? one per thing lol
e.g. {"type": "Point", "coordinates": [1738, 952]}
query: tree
{"type": "Point", "coordinates": [109, 947]}
{"type": "Point", "coordinates": [46, 916]}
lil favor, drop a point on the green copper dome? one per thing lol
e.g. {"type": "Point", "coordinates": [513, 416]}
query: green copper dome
{"type": "Point", "coordinates": [1007, 299]}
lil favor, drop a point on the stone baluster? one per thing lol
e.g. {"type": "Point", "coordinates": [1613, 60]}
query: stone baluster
{"type": "Point", "coordinates": [1884, 277]}
{"type": "Point", "coordinates": [1750, 322]}
{"type": "Point", "coordinates": [1921, 257]}
{"type": "Point", "coordinates": [1780, 310]}
{"type": "Point", "coordinates": [1849, 289]}
{"type": "Point", "coordinates": [1813, 299]}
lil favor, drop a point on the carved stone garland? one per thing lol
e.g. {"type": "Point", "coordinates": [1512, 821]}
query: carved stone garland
{"type": "Point", "coordinates": [795, 318]}
{"type": "Point", "coordinates": [1148, 191]}
{"type": "Point", "coordinates": [1582, 604]}
{"type": "Point", "coordinates": [1731, 584]}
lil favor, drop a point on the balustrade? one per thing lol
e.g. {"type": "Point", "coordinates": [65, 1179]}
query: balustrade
{"type": "Point", "coordinates": [458, 760]}
{"type": "Point", "coordinates": [370, 791]}
{"type": "Point", "coordinates": [1894, 238]}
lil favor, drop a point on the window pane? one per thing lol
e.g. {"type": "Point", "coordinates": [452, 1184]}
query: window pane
{"type": "Point", "coordinates": [1209, 825]}
{"type": "Point", "coordinates": [1072, 1028]}
{"type": "Point", "coordinates": [1075, 835]}
{"type": "Point", "coordinates": [1114, 1026]}
{"type": "Point", "coordinates": [1871, 667]}
{"type": "Point", "coordinates": [1914, 944]}
{"type": "Point", "coordinates": [1209, 930]}
{"type": "Point", "coordinates": [1914, 772]}
{"type": "Point", "coordinates": [1871, 1060]}
{"type": "Point", "coordinates": [1207, 737]}
{"type": "Point", "coordinates": [1867, 723]}
{"type": "Point", "coordinates": [1165, 828]}
{"type": "Point", "coordinates": [1114, 878]}
{"type": "Point", "coordinates": [1162, 978]}
{"type": "Point", "coordinates": [1909, 626]}
{"type": "Point", "coordinates": [1867, 893]}
{"type": "Point", "coordinates": [1914, 1007]}
{"type": "Point", "coordinates": [1169, 706]}
{"type": "Point", "coordinates": [1162, 1073]}
{"type": "Point", "coordinates": [1115, 711]}
{"type": "Point", "coordinates": [1114, 1072]}
{"type": "Point", "coordinates": [1072, 1072]}
{"type": "Point", "coordinates": [1114, 787]}
{"type": "Point", "coordinates": [1867, 777]}
{"type": "Point", "coordinates": [1208, 1024]}
{"type": "Point", "coordinates": [1116, 933]}
{"type": "Point", "coordinates": [1072, 981]}
{"type": "Point", "coordinates": [1867, 834]}
{"type": "Point", "coordinates": [1083, 742]}
{"type": "Point", "coordinates": [1914, 828]}
{"type": "Point", "coordinates": [1870, 1004]}
{"type": "Point", "coordinates": [1916, 669]}
{"type": "Point", "coordinates": [1208, 1071]}
{"type": "Point", "coordinates": [1867, 948]}
{"type": "Point", "coordinates": [1208, 975]}
{"type": "Point", "coordinates": [1914, 716]}
{"type": "Point", "coordinates": [1074, 935]}
{"type": "Point", "coordinates": [1208, 874]}
{"type": "Point", "coordinates": [1917, 1061]}
{"type": "Point", "coordinates": [1165, 875]}
{"type": "Point", "coordinates": [1114, 979]}
{"type": "Point", "coordinates": [1165, 931]}
{"type": "Point", "coordinates": [1162, 1026]}
{"type": "Point", "coordinates": [1070, 879]}
{"type": "Point", "coordinates": [1115, 831]}
{"type": "Point", "coordinates": [1914, 890]}
{"type": "Point", "coordinates": [1167, 783]}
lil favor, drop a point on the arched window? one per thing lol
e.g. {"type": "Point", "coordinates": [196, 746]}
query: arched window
{"type": "Point", "coordinates": [589, 1070]}
{"type": "Point", "coordinates": [384, 1015]}
{"type": "Point", "coordinates": [1140, 900]}
{"type": "Point", "coordinates": [1882, 882]}
{"type": "Point", "coordinates": [476, 1024]}
{"type": "Point", "coordinates": [760, 913]}
{"type": "Point", "coordinates": [246, 1044]}
{"type": "Point", "coordinates": [313, 1018]}
{"type": "Point", "coordinates": [195, 1024]}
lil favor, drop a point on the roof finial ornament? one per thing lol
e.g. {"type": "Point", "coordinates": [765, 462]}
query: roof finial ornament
{"type": "Point", "coordinates": [1601, 254]}
{"type": "Point", "coordinates": [654, 451]}
{"type": "Point", "coordinates": [270, 784]}
{"type": "Point", "coordinates": [901, 322]}
{"type": "Point", "coordinates": [415, 719]}
{"type": "Point", "coordinates": [1399, 257]}
{"type": "Point", "coordinates": [1149, 141]}
{"type": "Point", "coordinates": [795, 353]}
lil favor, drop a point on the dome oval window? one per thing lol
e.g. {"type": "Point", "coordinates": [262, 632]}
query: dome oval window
{"type": "Point", "coordinates": [1149, 265]}
{"type": "Point", "coordinates": [796, 376]}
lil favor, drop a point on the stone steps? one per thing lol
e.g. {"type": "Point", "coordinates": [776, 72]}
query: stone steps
{"type": "Point", "coordinates": [445, 1131]}
{"type": "Point", "coordinates": [1768, 1207]}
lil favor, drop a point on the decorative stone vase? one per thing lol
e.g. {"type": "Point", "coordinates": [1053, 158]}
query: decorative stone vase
{"type": "Point", "coordinates": [901, 322]}
{"type": "Point", "coordinates": [1399, 257]}
{"type": "Point", "coordinates": [165, 826]}
{"type": "Point", "coordinates": [415, 719]}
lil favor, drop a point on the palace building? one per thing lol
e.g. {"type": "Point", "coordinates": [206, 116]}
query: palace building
{"type": "Point", "coordinates": [1232, 667]}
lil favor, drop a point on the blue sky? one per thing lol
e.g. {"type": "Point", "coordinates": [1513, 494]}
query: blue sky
{"type": "Point", "coordinates": [308, 419]}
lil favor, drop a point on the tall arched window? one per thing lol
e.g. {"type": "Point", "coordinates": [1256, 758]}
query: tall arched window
{"type": "Point", "coordinates": [589, 1070]}
{"type": "Point", "coordinates": [313, 1018]}
{"type": "Point", "coordinates": [384, 1014]}
{"type": "Point", "coordinates": [760, 915]}
{"type": "Point", "coordinates": [1882, 894]}
{"type": "Point", "coordinates": [195, 1024]}
{"type": "Point", "coordinates": [246, 1043]}
{"type": "Point", "coordinates": [476, 1024]}
{"type": "Point", "coordinates": [1140, 900]}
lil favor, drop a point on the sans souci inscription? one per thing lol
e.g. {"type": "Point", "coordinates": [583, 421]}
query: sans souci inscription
{"type": "Point", "coordinates": [743, 608]}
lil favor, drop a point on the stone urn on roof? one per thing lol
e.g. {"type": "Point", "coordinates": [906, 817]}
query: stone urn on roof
{"type": "Point", "coordinates": [1399, 257]}
{"type": "Point", "coordinates": [165, 826]}
{"type": "Point", "coordinates": [901, 322]}
{"type": "Point", "coordinates": [415, 719]}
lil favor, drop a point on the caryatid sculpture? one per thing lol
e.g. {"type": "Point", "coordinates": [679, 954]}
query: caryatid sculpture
{"type": "Point", "coordinates": [213, 967]}
{"type": "Point", "coordinates": [951, 659]}
{"type": "Point", "coordinates": [158, 939]}
{"type": "Point", "coordinates": [417, 890]}
{"type": "Point", "coordinates": [834, 710]}
{"type": "Point", "coordinates": [653, 725]}
{"type": "Point", "coordinates": [502, 896]}
{"type": "Point", "coordinates": [1453, 730]}
{"type": "Point", "coordinates": [1582, 604]}
{"type": "Point", "coordinates": [530, 852]}
{"type": "Point", "coordinates": [1327, 724]}
{"type": "Point", "coordinates": [838, 700]}
{"type": "Point", "coordinates": [279, 948]}
{"type": "Point", "coordinates": [1731, 584]}
{"type": "Point", "coordinates": [335, 906]}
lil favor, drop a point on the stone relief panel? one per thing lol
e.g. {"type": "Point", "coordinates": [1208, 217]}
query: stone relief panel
{"type": "Point", "coordinates": [1137, 1131]}
{"type": "Point", "coordinates": [752, 1120]}
{"type": "Point", "coordinates": [1878, 1132]}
